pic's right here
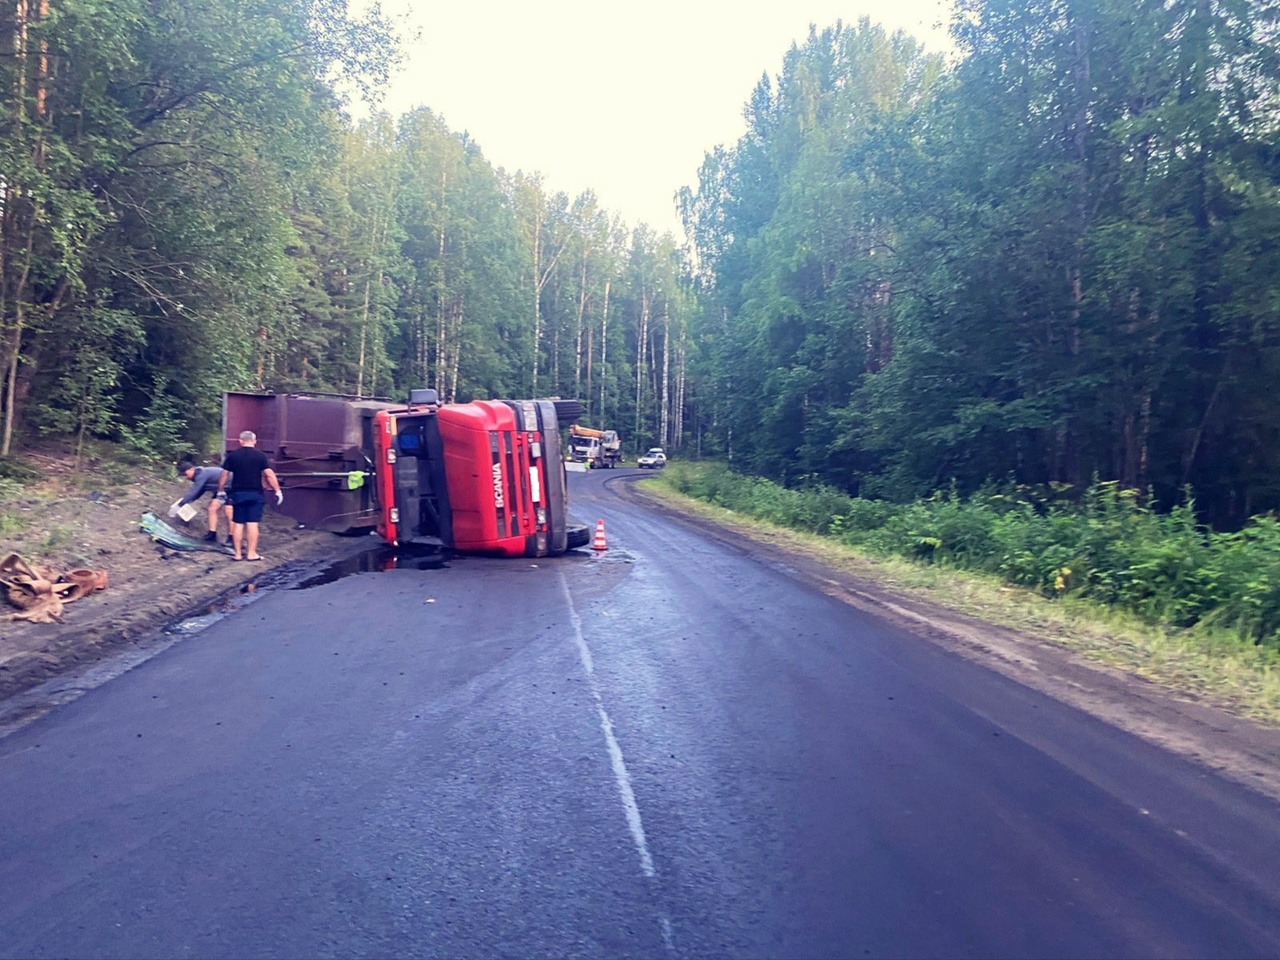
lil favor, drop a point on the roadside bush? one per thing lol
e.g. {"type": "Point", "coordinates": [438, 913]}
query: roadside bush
{"type": "Point", "coordinates": [1247, 581]}
{"type": "Point", "coordinates": [158, 435]}
{"type": "Point", "coordinates": [861, 519]}
{"type": "Point", "coordinates": [1108, 547]}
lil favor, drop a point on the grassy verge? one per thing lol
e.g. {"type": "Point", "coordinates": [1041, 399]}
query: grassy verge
{"type": "Point", "coordinates": [1205, 661]}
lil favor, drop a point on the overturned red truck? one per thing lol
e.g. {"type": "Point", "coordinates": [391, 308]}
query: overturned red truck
{"type": "Point", "coordinates": [480, 477]}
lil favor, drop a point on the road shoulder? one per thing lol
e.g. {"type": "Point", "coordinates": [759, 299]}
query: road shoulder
{"type": "Point", "coordinates": [149, 585]}
{"type": "Point", "coordinates": [1208, 734]}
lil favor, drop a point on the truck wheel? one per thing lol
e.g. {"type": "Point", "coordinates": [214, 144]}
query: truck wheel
{"type": "Point", "coordinates": [579, 535]}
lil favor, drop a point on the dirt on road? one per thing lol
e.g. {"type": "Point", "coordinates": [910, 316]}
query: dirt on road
{"type": "Point", "coordinates": [68, 518]}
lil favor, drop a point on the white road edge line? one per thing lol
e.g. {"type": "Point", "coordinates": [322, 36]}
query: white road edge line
{"type": "Point", "coordinates": [668, 938]}
{"type": "Point", "coordinates": [620, 775]}
{"type": "Point", "coordinates": [624, 791]}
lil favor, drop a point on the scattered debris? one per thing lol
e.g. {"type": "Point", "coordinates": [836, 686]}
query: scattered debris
{"type": "Point", "coordinates": [166, 536]}
{"type": "Point", "coordinates": [39, 593]}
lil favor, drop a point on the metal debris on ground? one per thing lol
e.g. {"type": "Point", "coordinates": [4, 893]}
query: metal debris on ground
{"type": "Point", "coordinates": [166, 536]}
{"type": "Point", "coordinates": [40, 592]}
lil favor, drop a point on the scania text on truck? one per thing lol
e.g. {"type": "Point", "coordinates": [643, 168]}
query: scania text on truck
{"type": "Point", "coordinates": [479, 477]}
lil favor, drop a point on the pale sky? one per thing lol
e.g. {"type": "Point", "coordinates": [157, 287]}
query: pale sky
{"type": "Point", "coordinates": [620, 98]}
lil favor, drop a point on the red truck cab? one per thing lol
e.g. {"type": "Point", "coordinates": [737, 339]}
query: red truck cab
{"type": "Point", "coordinates": [480, 477]}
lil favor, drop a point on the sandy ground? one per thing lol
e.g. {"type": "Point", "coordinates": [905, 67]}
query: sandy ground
{"type": "Point", "coordinates": [68, 521]}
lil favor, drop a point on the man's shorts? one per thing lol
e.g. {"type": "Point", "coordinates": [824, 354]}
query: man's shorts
{"type": "Point", "coordinates": [246, 506]}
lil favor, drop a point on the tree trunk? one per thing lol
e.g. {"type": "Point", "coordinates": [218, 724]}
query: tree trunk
{"type": "Point", "coordinates": [604, 349]}
{"type": "Point", "coordinates": [577, 347]}
{"type": "Point", "coordinates": [375, 365]}
{"type": "Point", "coordinates": [442, 346]}
{"type": "Point", "coordinates": [456, 339]}
{"type": "Point", "coordinates": [555, 344]}
{"type": "Point", "coordinates": [537, 291]}
{"type": "Point", "coordinates": [588, 348]}
{"type": "Point", "coordinates": [5, 360]}
{"type": "Point", "coordinates": [642, 336]}
{"type": "Point", "coordinates": [260, 369]}
{"type": "Point", "coordinates": [424, 366]}
{"type": "Point", "coordinates": [678, 412]}
{"type": "Point", "coordinates": [664, 414]}
{"type": "Point", "coordinates": [11, 384]}
{"type": "Point", "coordinates": [541, 274]}
{"type": "Point", "coordinates": [364, 328]}
{"type": "Point", "coordinates": [1193, 451]}
{"type": "Point", "coordinates": [11, 297]}
{"type": "Point", "coordinates": [42, 70]}
{"type": "Point", "coordinates": [1072, 468]}
{"type": "Point", "coordinates": [456, 314]}
{"type": "Point", "coordinates": [14, 356]}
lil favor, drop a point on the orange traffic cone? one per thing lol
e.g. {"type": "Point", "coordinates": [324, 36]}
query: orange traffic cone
{"type": "Point", "coordinates": [599, 543]}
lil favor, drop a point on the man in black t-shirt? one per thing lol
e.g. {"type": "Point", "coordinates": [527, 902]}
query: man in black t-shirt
{"type": "Point", "coordinates": [248, 471]}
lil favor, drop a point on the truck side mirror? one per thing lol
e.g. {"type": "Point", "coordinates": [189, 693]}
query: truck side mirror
{"type": "Point", "coordinates": [425, 396]}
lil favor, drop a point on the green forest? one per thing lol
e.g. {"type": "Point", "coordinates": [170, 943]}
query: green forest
{"type": "Point", "coordinates": [1049, 260]}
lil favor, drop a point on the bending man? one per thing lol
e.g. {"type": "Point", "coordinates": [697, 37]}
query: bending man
{"type": "Point", "coordinates": [203, 480]}
{"type": "Point", "coordinates": [248, 471]}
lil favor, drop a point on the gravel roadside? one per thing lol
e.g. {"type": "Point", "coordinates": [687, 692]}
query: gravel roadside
{"type": "Point", "coordinates": [65, 521]}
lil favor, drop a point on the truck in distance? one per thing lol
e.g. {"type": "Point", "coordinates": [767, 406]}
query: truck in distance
{"type": "Point", "coordinates": [596, 448]}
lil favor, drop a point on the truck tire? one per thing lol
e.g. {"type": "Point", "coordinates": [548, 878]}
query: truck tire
{"type": "Point", "coordinates": [579, 535]}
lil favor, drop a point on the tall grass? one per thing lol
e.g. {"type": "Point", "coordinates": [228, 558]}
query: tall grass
{"type": "Point", "coordinates": [1109, 547]}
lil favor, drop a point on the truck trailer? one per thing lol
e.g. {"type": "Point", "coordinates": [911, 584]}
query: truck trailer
{"type": "Point", "coordinates": [480, 477]}
{"type": "Point", "coordinates": [595, 448]}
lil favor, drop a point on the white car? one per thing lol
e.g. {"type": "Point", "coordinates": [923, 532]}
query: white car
{"type": "Point", "coordinates": [655, 459]}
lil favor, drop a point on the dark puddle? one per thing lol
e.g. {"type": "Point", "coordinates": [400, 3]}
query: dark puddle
{"type": "Point", "coordinates": [288, 577]}
{"type": "Point", "coordinates": [379, 560]}
{"type": "Point", "coordinates": [227, 603]}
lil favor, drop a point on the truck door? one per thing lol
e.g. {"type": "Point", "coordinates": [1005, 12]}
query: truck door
{"type": "Point", "coordinates": [420, 481]}
{"type": "Point", "coordinates": [412, 495]}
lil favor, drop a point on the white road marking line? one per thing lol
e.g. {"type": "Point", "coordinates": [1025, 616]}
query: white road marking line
{"type": "Point", "coordinates": [620, 775]}
{"type": "Point", "coordinates": [668, 938]}
{"type": "Point", "coordinates": [584, 652]}
{"type": "Point", "coordinates": [624, 791]}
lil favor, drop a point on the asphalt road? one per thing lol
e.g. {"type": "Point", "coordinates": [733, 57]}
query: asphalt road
{"type": "Point", "coordinates": [670, 749]}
